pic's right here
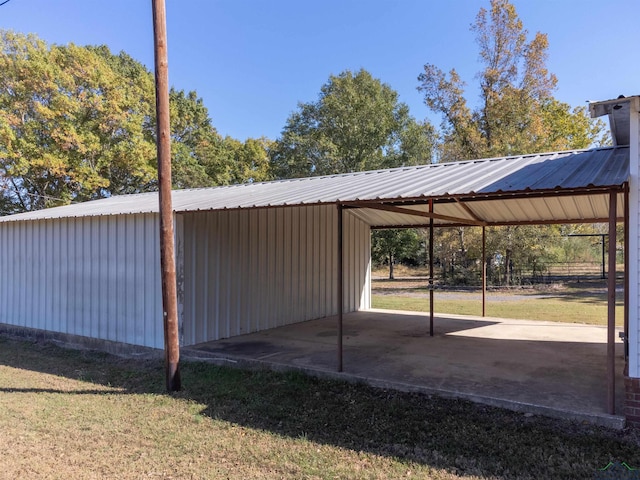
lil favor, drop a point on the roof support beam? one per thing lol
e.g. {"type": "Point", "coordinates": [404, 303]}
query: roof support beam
{"type": "Point", "coordinates": [467, 209]}
{"type": "Point", "coordinates": [539, 194]}
{"type": "Point", "coordinates": [611, 308]}
{"type": "Point", "coordinates": [502, 224]}
{"type": "Point", "coordinates": [431, 269]}
{"type": "Point", "coordinates": [339, 285]}
{"type": "Point", "coordinates": [419, 213]}
{"type": "Point", "coordinates": [484, 271]}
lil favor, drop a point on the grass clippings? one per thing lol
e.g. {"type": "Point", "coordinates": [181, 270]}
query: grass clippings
{"type": "Point", "coordinates": [78, 414]}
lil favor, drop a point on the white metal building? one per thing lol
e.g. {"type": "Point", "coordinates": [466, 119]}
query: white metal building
{"type": "Point", "coordinates": [257, 256]}
{"type": "Point", "coordinates": [240, 271]}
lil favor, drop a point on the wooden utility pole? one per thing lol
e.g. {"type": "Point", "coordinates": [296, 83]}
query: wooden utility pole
{"type": "Point", "coordinates": [167, 249]}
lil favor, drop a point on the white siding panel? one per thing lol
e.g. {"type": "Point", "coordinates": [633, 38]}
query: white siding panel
{"type": "Point", "coordinates": [265, 268]}
{"type": "Point", "coordinates": [92, 277]}
{"type": "Point", "coordinates": [634, 241]}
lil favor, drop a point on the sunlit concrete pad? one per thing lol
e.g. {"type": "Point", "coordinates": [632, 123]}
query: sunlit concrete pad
{"type": "Point", "coordinates": [550, 368]}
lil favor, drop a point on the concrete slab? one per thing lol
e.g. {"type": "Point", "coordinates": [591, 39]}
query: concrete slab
{"type": "Point", "coordinates": [549, 368]}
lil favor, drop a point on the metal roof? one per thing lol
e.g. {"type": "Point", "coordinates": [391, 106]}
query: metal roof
{"type": "Point", "coordinates": [559, 186]}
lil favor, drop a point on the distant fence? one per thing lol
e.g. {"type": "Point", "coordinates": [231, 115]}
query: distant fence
{"type": "Point", "coordinates": [555, 272]}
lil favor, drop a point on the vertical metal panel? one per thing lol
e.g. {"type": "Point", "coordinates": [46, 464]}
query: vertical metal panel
{"type": "Point", "coordinates": [315, 259]}
{"type": "Point", "coordinates": [83, 277]}
{"type": "Point", "coordinates": [295, 263]}
{"type": "Point", "coordinates": [221, 276]}
{"type": "Point", "coordinates": [84, 314]}
{"type": "Point", "coordinates": [332, 253]}
{"type": "Point", "coordinates": [280, 279]}
{"type": "Point", "coordinates": [5, 290]}
{"type": "Point", "coordinates": [348, 262]}
{"type": "Point", "coordinates": [65, 244]}
{"type": "Point", "coordinates": [365, 303]}
{"type": "Point", "coordinates": [301, 290]}
{"type": "Point", "coordinates": [256, 265]}
{"type": "Point", "coordinates": [112, 284]}
{"type": "Point", "coordinates": [239, 246]}
{"type": "Point", "coordinates": [120, 287]}
{"type": "Point", "coordinates": [270, 258]}
{"type": "Point", "coordinates": [265, 268]}
{"type": "Point", "coordinates": [211, 275]}
{"type": "Point", "coordinates": [634, 240]}
{"type": "Point", "coordinates": [288, 260]}
{"type": "Point", "coordinates": [320, 257]}
{"type": "Point", "coordinates": [178, 223]}
{"type": "Point", "coordinates": [357, 256]}
{"type": "Point", "coordinates": [245, 271]}
{"type": "Point", "coordinates": [32, 245]}
{"type": "Point", "coordinates": [93, 303]}
{"type": "Point", "coordinates": [191, 294]}
{"type": "Point", "coordinates": [308, 255]}
{"type": "Point", "coordinates": [27, 265]}
{"type": "Point", "coordinates": [262, 314]}
{"type": "Point", "coordinates": [229, 262]}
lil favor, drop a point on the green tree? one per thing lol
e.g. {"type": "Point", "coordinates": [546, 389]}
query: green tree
{"type": "Point", "coordinates": [356, 124]}
{"type": "Point", "coordinates": [517, 113]}
{"type": "Point", "coordinates": [248, 161]}
{"type": "Point", "coordinates": [78, 123]}
{"type": "Point", "coordinates": [196, 147]}
{"type": "Point", "coordinates": [71, 127]}
{"type": "Point", "coordinates": [392, 245]}
{"type": "Point", "coordinates": [520, 252]}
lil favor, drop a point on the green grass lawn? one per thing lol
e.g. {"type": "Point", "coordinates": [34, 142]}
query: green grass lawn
{"type": "Point", "coordinates": [571, 306]}
{"type": "Point", "coordinates": [69, 414]}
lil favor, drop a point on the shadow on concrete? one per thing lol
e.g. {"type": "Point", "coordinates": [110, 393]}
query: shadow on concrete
{"type": "Point", "coordinates": [549, 368]}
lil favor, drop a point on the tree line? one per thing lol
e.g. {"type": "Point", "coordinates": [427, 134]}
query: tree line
{"type": "Point", "coordinates": [78, 123]}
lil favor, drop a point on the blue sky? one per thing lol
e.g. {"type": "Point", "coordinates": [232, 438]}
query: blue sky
{"type": "Point", "coordinates": [252, 61]}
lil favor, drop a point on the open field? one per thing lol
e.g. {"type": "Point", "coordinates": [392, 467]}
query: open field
{"type": "Point", "coordinates": [71, 414]}
{"type": "Point", "coordinates": [575, 302]}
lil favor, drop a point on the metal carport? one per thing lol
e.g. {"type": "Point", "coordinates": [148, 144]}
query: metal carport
{"type": "Point", "coordinates": [562, 187]}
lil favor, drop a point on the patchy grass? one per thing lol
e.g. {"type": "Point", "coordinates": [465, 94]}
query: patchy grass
{"type": "Point", "coordinates": [584, 302]}
{"type": "Point", "coordinates": [70, 414]}
{"type": "Point", "coordinates": [549, 309]}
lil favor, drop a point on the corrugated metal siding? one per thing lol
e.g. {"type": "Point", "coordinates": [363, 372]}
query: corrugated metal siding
{"type": "Point", "coordinates": [634, 245]}
{"type": "Point", "coordinates": [250, 270]}
{"type": "Point", "coordinates": [95, 277]}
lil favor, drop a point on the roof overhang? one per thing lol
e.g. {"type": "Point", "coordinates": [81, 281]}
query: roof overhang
{"type": "Point", "coordinates": [557, 187]}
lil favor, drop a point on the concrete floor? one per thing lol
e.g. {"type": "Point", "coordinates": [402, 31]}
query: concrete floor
{"type": "Point", "coordinates": [549, 368]}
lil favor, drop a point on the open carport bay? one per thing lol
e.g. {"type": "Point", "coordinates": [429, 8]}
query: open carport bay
{"type": "Point", "coordinates": [549, 368]}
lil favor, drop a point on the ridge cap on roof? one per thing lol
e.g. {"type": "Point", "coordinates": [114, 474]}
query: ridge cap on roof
{"type": "Point", "coordinates": [396, 169]}
{"type": "Point", "coordinates": [536, 154]}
